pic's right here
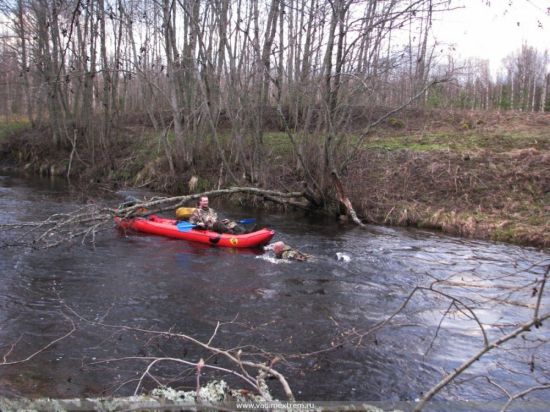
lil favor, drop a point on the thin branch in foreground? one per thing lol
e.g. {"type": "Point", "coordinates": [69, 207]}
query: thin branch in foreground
{"type": "Point", "coordinates": [541, 291]}
{"type": "Point", "coordinates": [454, 301]}
{"type": "Point", "coordinates": [44, 348]}
{"type": "Point", "coordinates": [430, 346]}
{"type": "Point", "coordinates": [523, 393]}
{"type": "Point", "coordinates": [466, 364]}
{"type": "Point", "coordinates": [233, 358]}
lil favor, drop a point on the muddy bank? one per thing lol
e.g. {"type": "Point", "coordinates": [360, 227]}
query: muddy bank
{"type": "Point", "coordinates": [477, 175]}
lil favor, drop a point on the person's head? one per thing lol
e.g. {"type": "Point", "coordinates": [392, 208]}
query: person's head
{"type": "Point", "coordinates": [278, 248]}
{"type": "Point", "coordinates": [203, 202]}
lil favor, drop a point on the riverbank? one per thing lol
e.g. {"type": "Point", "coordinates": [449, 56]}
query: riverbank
{"type": "Point", "coordinates": [486, 177]}
{"type": "Point", "coordinates": [478, 175]}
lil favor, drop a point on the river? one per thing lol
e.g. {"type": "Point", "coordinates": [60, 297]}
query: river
{"type": "Point", "coordinates": [264, 306]}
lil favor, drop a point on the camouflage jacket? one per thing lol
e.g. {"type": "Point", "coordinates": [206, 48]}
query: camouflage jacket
{"type": "Point", "coordinates": [293, 254]}
{"type": "Point", "coordinates": [204, 217]}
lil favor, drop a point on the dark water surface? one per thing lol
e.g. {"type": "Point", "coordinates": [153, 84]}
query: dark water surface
{"type": "Point", "coordinates": [269, 306]}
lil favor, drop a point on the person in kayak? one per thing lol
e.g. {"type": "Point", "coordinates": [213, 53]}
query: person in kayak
{"type": "Point", "coordinates": [283, 251]}
{"type": "Point", "coordinates": [206, 218]}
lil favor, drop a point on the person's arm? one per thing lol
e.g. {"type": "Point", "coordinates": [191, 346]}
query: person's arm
{"type": "Point", "coordinates": [194, 218]}
{"type": "Point", "coordinates": [209, 218]}
{"type": "Point", "coordinates": [213, 216]}
{"type": "Point", "coordinates": [197, 219]}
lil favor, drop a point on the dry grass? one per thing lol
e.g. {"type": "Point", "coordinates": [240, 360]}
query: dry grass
{"type": "Point", "coordinates": [498, 188]}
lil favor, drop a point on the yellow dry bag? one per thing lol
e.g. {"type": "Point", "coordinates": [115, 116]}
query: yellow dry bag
{"type": "Point", "coordinates": [183, 213]}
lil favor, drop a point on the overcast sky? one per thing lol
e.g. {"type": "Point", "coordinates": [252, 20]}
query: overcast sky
{"type": "Point", "coordinates": [493, 32]}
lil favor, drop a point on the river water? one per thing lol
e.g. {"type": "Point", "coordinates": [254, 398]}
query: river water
{"type": "Point", "coordinates": [265, 307]}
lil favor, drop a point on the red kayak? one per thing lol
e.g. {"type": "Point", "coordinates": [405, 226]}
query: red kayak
{"type": "Point", "coordinates": [167, 227]}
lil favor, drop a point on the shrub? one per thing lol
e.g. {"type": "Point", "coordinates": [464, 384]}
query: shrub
{"type": "Point", "coordinates": [396, 123]}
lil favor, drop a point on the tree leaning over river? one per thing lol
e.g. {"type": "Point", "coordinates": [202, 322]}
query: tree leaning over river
{"type": "Point", "coordinates": [85, 223]}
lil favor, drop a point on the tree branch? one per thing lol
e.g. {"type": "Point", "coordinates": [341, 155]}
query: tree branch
{"type": "Point", "coordinates": [235, 359]}
{"type": "Point", "coordinates": [370, 126]}
{"type": "Point", "coordinates": [466, 364]}
{"type": "Point", "coordinates": [44, 348]}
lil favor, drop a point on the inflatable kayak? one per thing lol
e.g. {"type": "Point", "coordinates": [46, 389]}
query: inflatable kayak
{"type": "Point", "coordinates": [167, 227]}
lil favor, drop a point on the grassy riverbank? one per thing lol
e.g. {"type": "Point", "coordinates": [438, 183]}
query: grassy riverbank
{"type": "Point", "coordinates": [485, 178]}
{"type": "Point", "coordinates": [12, 126]}
{"type": "Point", "coordinates": [480, 175]}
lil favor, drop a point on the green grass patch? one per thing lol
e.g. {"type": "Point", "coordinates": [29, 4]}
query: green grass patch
{"type": "Point", "coordinates": [510, 141]}
{"type": "Point", "coordinates": [8, 128]}
{"type": "Point", "coordinates": [417, 143]}
{"type": "Point", "coordinates": [461, 142]}
{"type": "Point", "coordinates": [276, 143]}
{"type": "Point", "coordinates": [473, 140]}
{"type": "Point", "coordinates": [279, 142]}
{"type": "Point", "coordinates": [507, 234]}
{"type": "Point", "coordinates": [170, 137]}
{"type": "Point", "coordinates": [403, 145]}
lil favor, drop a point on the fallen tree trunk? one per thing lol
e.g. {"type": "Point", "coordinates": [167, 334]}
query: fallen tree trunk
{"type": "Point", "coordinates": [162, 204]}
{"type": "Point", "coordinates": [342, 197]}
{"type": "Point", "coordinates": [86, 222]}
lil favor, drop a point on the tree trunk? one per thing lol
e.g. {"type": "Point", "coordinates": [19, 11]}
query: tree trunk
{"type": "Point", "coordinates": [172, 67]}
{"type": "Point", "coordinates": [106, 96]}
{"type": "Point", "coordinates": [24, 66]}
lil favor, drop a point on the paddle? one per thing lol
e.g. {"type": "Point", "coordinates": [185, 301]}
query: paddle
{"type": "Point", "coordinates": [187, 226]}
